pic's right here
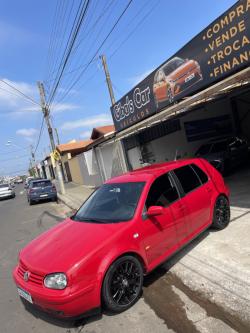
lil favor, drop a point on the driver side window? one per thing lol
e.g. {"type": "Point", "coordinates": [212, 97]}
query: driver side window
{"type": "Point", "coordinates": [162, 192]}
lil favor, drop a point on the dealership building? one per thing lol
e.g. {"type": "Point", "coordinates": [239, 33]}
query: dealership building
{"type": "Point", "coordinates": [200, 94]}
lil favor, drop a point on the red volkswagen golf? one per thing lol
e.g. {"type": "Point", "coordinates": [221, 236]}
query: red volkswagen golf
{"type": "Point", "coordinates": [130, 225]}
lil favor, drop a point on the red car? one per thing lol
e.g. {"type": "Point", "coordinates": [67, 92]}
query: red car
{"type": "Point", "coordinates": [127, 227]}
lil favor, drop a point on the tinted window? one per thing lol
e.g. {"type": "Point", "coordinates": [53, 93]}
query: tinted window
{"type": "Point", "coordinates": [43, 183]}
{"type": "Point", "coordinates": [188, 178]}
{"type": "Point", "coordinates": [162, 192]}
{"type": "Point", "coordinates": [111, 203]}
{"type": "Point", "coordinates": [219, 147]}
{"type": "Point", "coordinates": [201, 174]}
{"type": "Point", "coordinates": [203, 150]}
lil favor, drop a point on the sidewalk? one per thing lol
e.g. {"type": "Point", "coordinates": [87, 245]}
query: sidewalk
{"type": "Point", "coordinates": [75, 194]}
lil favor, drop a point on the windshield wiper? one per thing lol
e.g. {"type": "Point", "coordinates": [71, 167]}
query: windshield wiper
{"type": "Point", "coordinates": [86, 219]}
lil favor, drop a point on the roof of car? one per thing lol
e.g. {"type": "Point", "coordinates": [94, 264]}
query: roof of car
{"type": "Point", "coordinates": [38, 180]}
{"type": "Point", "coordinates": [150, 172]}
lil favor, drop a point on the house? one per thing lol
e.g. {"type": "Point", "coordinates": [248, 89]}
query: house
{"type": "Point", "coordinates": [71, 168]}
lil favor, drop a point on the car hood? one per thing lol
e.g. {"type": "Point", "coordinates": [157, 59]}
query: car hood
{"type": "Point", "coordinates": [182, 70]}
{"type": "Point", "coordinates": [68, 243]}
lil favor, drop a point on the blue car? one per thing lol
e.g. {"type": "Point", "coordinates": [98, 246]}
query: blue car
{"type": "Point", "coordinates": [41, 189]}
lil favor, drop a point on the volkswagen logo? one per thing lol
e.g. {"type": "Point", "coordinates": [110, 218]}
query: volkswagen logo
{"type": "Point", "coordinates": [26, 276]}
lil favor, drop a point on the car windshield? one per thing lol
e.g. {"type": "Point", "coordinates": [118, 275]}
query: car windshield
{"type": "Point", "coordinates": [203, 150]}
{"type": "Point", "coordinates": [172, 65]}
{"type": "Point", "coordinates": [42, 183]}
{"type": "Point", "coordinates": [111, 203]}
{"type": "Point", "coordinates": [4, 185]}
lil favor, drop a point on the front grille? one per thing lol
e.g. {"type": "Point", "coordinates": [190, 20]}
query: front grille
{"type": "Point", "coordinates": [34, 278]}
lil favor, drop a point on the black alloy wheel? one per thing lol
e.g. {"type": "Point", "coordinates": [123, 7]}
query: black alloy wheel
{"type": "Point", "coordinates": [170, 96]}
{"type": "Point", "coordinates": [221, 213]}
{"type": "Point", "coordinates": [122, 285]}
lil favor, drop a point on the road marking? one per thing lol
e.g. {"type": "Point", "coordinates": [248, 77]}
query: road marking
{"type": "Point", "coordinates": [21, 192]}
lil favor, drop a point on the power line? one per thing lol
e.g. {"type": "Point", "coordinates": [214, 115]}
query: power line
{"type": "Point", "coordinates": [20, 92]}
{"type": "Point", "coordinates": [151, 9]}
{"type": "Point", "coordinates": [99, 48]}
{"type": "Point", "coordinates": [39, 136]}
{"type": "Point", "coordinates": [53, 68]}
{"type": "Point", "coordinates": [72, 41]}
{"type": "Point", "coordinates": [105, 10]}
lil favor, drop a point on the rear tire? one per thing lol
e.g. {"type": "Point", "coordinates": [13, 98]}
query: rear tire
{"type": "Point", "coordinates": [221, 216]}
{"type": "Point", "coordinates": [30, 202]}
{"type": "Point", "coordinates": [122, 284]}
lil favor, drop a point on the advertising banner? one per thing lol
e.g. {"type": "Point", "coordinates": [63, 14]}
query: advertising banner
{"type": "Point", "coordinates": [223, 48]}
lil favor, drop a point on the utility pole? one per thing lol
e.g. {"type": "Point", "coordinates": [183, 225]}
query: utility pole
{"type": "Point", "coordinates": [32, 156]}
{"type": "Point", "coordinates": [51, 137]}
{"type": "Point", "coordinates": [57, 136]}
{"type": "Point", "coordinates": [108, 80]}
{"type": "Point", "coordinates": [33, 160]}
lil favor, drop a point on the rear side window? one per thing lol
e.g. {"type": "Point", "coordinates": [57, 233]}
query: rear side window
{"type": "Point", "coordinates": [201, 174]}
{"type": "Point", "coordinates": [188, 178]}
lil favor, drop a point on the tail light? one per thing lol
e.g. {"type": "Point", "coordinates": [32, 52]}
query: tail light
{"type": "Point", "coordinates": [31, 191]}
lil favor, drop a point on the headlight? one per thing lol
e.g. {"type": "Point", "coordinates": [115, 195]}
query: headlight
{"type": "Point", "coordinates": [55, 281]}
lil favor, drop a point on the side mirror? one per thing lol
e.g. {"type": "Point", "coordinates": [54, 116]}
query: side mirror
{"type": "Point", "coordinates": [154, 211]}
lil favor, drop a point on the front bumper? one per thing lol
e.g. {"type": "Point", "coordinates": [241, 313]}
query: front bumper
{"type": "Point", "coordinates": [60, 303]}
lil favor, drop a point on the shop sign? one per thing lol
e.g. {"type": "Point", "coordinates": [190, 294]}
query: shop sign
{"type": "Point", "coordinates": [220, 50]}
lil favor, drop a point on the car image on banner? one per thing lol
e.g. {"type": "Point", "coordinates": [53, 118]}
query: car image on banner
{"type": "Point", "coordinates": [174, 77]}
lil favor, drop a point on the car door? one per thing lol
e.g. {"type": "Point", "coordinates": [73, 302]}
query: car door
{"type": "Point", "coordinates": [197, 195]}
{"type": "Point", "coordinates": [161, 237]}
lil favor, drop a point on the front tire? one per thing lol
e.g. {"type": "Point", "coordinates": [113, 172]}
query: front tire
{"type": "Point", "coordinates": [221, 216]}
{"type": "Point", "coordinates": [122, 284]}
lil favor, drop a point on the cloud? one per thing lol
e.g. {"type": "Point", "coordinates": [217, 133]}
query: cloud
{"type": "Point", "coordinates": [14, 105]}
{"type": "Point", "coordinates": [138, 78]}
{"type": "Point", "coordinates": [60, 107]}
{"type": "Point", "coordinates": [27, 132]}
{"type": "Point", "coordinates": [98, 120]}
{"type": "Point", "coordinates": [10, 100]}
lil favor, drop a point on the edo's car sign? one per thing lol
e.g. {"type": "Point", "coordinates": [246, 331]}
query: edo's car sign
{"type": "Point", "coordinates": [220, 50]}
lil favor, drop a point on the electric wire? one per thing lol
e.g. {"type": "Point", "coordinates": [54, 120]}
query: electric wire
{"type": "Point", "coordinates": [20, 92]}
{"type": "Point", "coordinates": [39, 136]}
{"type": "Point", "coordinates": [68, 49]}
{"type": "Point", "coordinates": [98, 49]}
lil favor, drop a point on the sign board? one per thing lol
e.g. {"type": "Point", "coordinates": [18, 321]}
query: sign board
{"type": "Point", "coordinates": [220, 50]}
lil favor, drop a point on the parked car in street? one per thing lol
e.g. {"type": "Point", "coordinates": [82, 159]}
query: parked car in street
{"type": "Point", "coordinates": [225, 153]}
{"type": "Point", "coordinates": [127, 227]}
{"type": "Point", "coordinates": [6, 191]}
{"type": "Point", "coordinates": [27, 181]}
{"type": "Point", "coordinates": [174, 77]}
{"type": "Point", "coordinates": [41, 189]}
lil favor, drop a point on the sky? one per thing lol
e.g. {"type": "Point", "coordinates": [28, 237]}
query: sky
{"type": "Point", "coordinates": [33, 36]}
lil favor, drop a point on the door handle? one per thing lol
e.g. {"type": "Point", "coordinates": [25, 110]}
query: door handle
{"type": "Point", "coordinates": [209, 190]}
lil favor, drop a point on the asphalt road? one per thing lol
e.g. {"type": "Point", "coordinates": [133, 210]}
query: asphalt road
{"type": "Point", "coordinates": [167, 304]}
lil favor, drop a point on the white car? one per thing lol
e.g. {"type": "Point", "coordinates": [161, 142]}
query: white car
{"type": "Point", "coordinates": [6, 191]}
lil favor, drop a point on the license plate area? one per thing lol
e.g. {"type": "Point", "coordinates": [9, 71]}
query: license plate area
{"type": "Point", "coordinates": [24, 294]}
{"type": "Point", "coordinates": [190, 77]}
{"type": "Point", "coordinates": [43, 195]}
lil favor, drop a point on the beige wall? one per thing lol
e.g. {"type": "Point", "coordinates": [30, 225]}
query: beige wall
{"type": "Point", "coordinates": [75, 170]}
